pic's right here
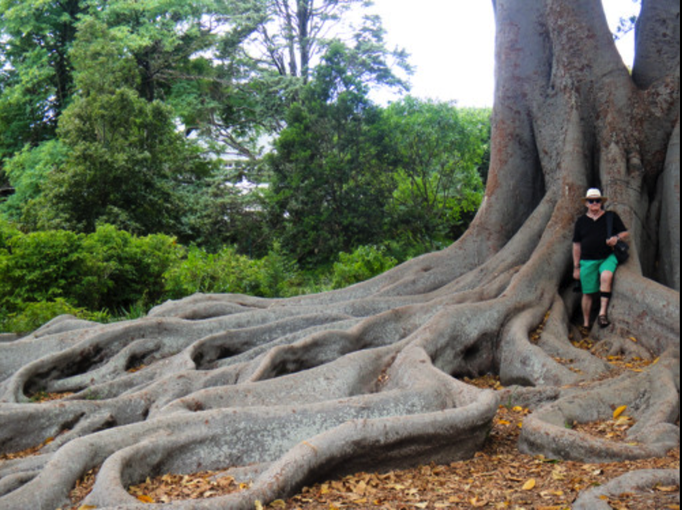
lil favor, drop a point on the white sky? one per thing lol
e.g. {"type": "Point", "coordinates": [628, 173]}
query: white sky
{"type": "Point", "coordinates": [452, 44]}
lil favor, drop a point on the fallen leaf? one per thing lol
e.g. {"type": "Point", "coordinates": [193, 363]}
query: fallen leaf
{"type": "Point", "coordinates": [259, 505]}
{"type": "Point", "coordinates": [87, 507]}
{"type": "Point", "coordinates": [558, 475]}
{"type": "Point", "coordinates": [145, 499]}
{"type": "Point", "coordinates": [672, 488]}
{"type": "Point", "coordinates": [478, 504]}
{"type": "Point", "coordinates": [619, 411]}
{"type": "Point", "coordinates": [633, 339]}
{"type": "Point", "coordinates": [529, 485]}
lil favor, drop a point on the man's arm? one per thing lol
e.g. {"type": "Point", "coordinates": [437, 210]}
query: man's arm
{"type": "Point", "coordinates": [577, 250]}
{"type": "Point", "coordinates": [621, 233]}
{"type": "Point", "coordinates": [621, 236]}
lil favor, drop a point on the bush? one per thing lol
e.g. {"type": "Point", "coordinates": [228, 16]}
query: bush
{"type": "Point", "coordinates": [46, 274]}
{"type": "Point", "coordinates": [228, 272]}
{"type": "Point", "coordinates": [363, 264]}
{"type": "Point", "coordinates": [199, 271]}
{"type": "Point", "coordinates": [279, 275]}
{"type": "Point", "coordinates": [121, 270]}
{"type": "Point", "coordinates": [42, 266]}
{"type": "Point", "coordinates": [107, 270]}
{"type": "Point", "coordinates": [35, 315]}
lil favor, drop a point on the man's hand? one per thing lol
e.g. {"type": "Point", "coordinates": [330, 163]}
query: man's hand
{"type": "Point", "coordinates": [576, 273]}
{"type": "Point", "coordinates": [612, 241]}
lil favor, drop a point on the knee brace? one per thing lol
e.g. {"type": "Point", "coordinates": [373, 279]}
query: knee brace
{"type": "Point", "coordinates": [606, 295]}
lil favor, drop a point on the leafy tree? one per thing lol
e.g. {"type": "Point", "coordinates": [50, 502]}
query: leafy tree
{"type": "Point", "coordinates": [36, 76]}
{"type": "Point", "coordinates": [164, 39]}
{"type": "Point", "coordinates": [292, 36]}
{"type": "Point", "coordinates": [125, 158]}
{"type": "Point", "coordinates": [273, 50]}
{"type": "Point", "coordinates": [27, 172]}
{"type": "Point", "coordinates": [125, 162]}
{"type": "Point", "coordinates": [218, 212]}
{"type": "Point", "coordinates": [438, 149]}
{"type": "Point", "coordinates": [331, 173]}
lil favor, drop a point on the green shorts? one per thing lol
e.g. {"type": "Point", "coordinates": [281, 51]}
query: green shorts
{"type": "Point", "coordinates": [591, 270]}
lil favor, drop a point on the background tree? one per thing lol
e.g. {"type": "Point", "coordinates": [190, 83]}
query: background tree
{"type": "Point", "coordinates": [291, 36]}
{"type": "Point", "coordinates": [374, 374]}
{"type": "Point", "coordinates": [438, 151]}
{"type": "Point", "coordinates": [36, 76]}
{"type": "Point", "coordinates": [331, 174]}
{"type": "Point", "coordinates": [125, 159]}
{"type": "Point", "coordinates": [271, 53]}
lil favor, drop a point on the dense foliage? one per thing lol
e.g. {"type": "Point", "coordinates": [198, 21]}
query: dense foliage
{"type": "Point", "coordinates": [111, 273]}
{"type": "Point", "coordinates": [241, 129]}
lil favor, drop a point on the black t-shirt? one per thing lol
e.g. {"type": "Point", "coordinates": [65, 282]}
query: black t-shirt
{"type": "Point", "coordinates": [591, 234]}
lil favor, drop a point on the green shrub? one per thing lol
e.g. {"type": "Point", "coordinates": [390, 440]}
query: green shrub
{"type": "Point", "coordinates": [7, 232]}
{"type": "Point", "coordinates": [229, 272]}
{"type": "Point", "coordinates": [363, 264]}
{"type": "Point", "coordinates": [35, 315]}
{"type": "Point", "coordinates": [279, 275]}
{"type": "Point", "coordinates": [106, 270]}
{"type": "Point", "coordinates": [222, 272]}
{"type": "Point", "coordinates": [40, 267]}
{"type": "Point", "coordinates": [121, 270]}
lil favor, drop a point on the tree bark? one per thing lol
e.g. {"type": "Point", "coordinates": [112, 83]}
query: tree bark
{"type": "Point", "coordinates": [371, 377]}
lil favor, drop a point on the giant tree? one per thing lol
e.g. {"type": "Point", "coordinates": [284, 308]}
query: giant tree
{"type": "Point", "coordinates": [283, 392]}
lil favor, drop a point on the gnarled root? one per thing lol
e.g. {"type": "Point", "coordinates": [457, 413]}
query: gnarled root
{"type": "Point", "coordinates": [635, 482]}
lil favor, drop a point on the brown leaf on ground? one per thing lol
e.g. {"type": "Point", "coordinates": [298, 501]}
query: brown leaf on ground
{"type": "Point", "coordinates": [42, 397]}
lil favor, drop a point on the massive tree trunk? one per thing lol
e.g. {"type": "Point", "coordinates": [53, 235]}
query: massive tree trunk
{"type": "Point", "coordinates": [285, 392]}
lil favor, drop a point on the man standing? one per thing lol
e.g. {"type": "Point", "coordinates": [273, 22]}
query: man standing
{"type": "Point", "coordinates": [594, 263]}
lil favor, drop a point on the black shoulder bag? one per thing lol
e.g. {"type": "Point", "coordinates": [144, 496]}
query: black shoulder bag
{"type": "Point", "coordinates": [621, 250]}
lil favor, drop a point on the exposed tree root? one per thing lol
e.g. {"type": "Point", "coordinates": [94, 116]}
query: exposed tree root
{"type": "Point", "coordinates": [638, 481]}
{"type": "Point", "coordinates": [308, 391]}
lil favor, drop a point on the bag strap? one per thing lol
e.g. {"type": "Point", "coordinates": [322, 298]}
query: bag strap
{"type": "Point", "coordinates": [609, 225]}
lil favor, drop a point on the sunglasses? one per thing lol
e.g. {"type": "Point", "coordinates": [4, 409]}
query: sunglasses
{"type": "Point", "coordinates": [592, 202]}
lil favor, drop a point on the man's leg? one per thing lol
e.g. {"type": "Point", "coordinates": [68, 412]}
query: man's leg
{"type": "Point", "coordinates": [606, 273]}
{"type": "Point", "coordinates": [606, 285]}
{"type": "Point", "coordinates": [589, 280]}
{"type": "Point", "coordinates": [587, 310]}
